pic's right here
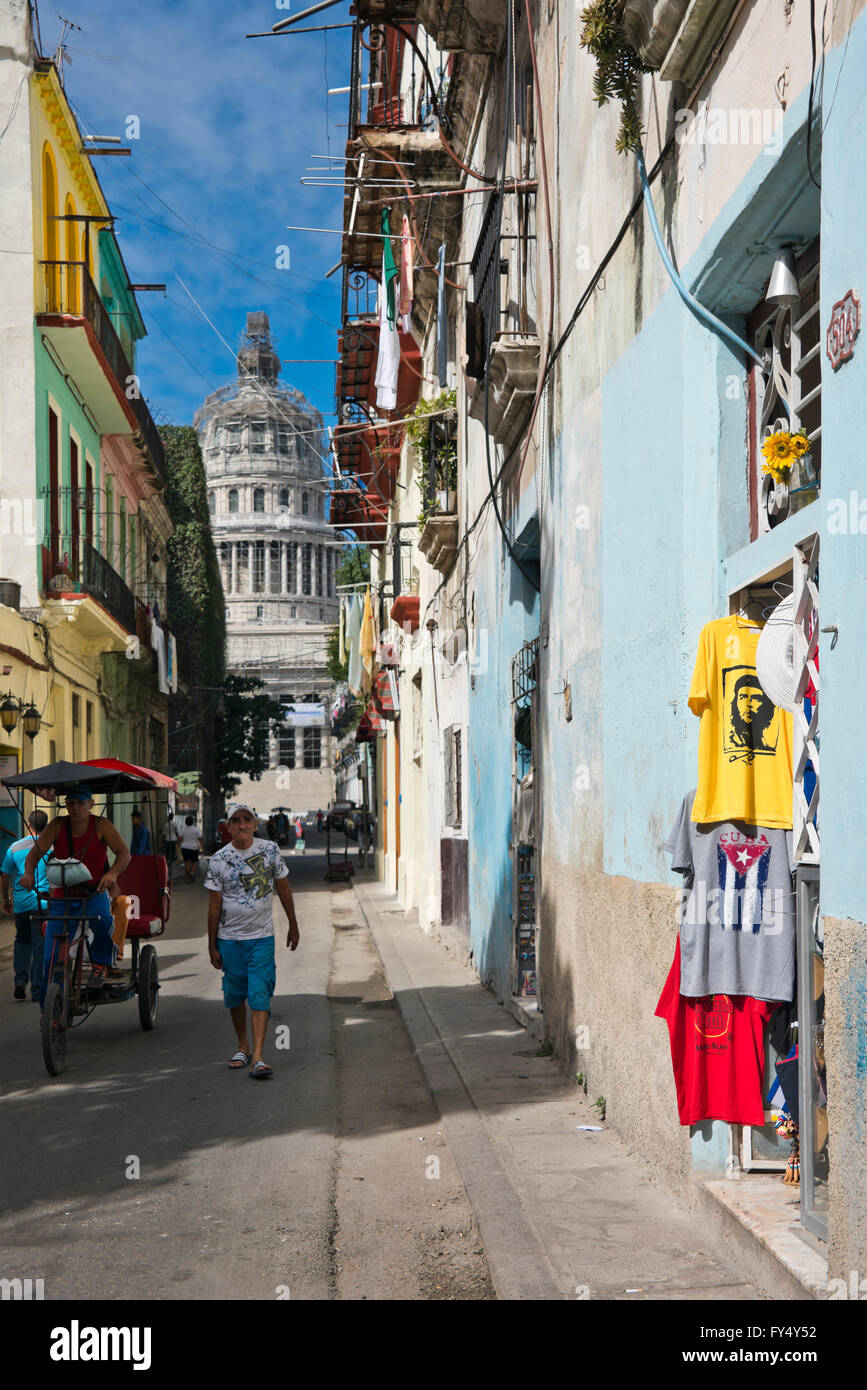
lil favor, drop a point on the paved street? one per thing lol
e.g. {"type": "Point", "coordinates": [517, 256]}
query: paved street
{"type": "Point", "coordinates": [414, 1142]}
{"type": "Point", "coordinates": [311, 1186]}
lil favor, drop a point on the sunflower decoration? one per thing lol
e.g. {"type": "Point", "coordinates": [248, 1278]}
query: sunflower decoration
{"type": "Point", "coordinates": [781, 451]}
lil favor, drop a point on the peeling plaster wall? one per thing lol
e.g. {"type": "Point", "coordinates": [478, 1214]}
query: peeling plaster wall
{"type": "Point", "coordinates": [846, 1056]}
{"type": "Point", "coordinates": [645, 530]}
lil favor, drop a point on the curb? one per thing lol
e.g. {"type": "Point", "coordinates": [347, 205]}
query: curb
{"type": "Point", "coordinates": [519, 1266]}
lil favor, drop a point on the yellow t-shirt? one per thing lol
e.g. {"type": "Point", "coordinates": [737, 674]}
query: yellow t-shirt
{"type": "Point", "coordinates": [744, 741]}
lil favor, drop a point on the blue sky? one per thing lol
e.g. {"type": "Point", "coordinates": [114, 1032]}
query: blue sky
{"type": "Point", "coordinates": [228, 125]}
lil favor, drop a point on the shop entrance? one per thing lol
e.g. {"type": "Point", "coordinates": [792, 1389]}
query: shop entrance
{"type": "Point", "coordinates": [525, 886]}
{"type": "Point", "coordinates": [795, 1047]}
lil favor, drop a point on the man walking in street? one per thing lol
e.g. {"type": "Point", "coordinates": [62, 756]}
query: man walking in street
{"type": "Point", "coordinates": [27, 951]}
{"type": "Point", "coordinates": [141, 836]}
{"type": "Point", "coordinates": [242, 879]}
{"type": "Point", "coordinates": [170, 838]}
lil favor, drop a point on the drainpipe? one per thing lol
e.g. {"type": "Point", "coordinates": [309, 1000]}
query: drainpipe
{"type": "Point", "coordinates": [701, 313]}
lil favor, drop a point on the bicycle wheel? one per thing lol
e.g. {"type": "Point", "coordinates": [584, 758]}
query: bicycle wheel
{"type": "Point", "coordinates": [148, 988]}
{"type": "Point", "coordinates": [54, 1030]}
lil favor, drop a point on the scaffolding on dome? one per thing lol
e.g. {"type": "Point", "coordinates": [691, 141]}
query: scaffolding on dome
{"type": "Point", "coordinates": [257, 394]}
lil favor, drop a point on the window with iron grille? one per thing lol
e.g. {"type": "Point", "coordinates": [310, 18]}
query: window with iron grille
{"type": "Point", "coordinates": [508, 227]}
{"type": "Point", "coordinates": [233, 499]}
{"type": "Point", "coordinates": [312, 748]}
{"type": "Point", "coordinates": [319, 588]}
{"type": "Point", "coordinates": [286, 747]}
{"type": "Point", "coordinates": [257, 439]}
{"type": "Point", "coordinates": [292, 569]}
{"type": "Point", "coordinates": [276, 576]}
{"type": "Point", "coordinates": [258, 499]}
{"type": "Point", "coordinates": [452, 777]}
{"type": "Point", "coordinates": [483, 323]}
{"type": "Point", "coordinates": [786, 395]}
{"type": "Point", "coordinates": [306, 566]}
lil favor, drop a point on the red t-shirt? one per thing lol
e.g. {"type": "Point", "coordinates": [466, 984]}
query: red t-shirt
{"type": "Point", "coordinates": [89, 848]}
{"type": "Point", "coordinates": [717, 1052]}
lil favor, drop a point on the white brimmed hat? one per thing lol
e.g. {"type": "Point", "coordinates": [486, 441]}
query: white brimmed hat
{"type": "Point", "coordinates": [240, 806]}
{"type": "Point", "coordinates": [775, 655]}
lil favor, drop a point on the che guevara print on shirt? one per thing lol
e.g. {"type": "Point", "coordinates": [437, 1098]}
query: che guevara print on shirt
{"type": "Point", "coordinates": [744, 739]}
{"type": "Point", "coordinates": [751, 727]}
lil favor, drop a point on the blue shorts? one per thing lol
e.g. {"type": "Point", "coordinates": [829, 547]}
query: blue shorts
{"type": "Point", "coordinates": [249, 972]}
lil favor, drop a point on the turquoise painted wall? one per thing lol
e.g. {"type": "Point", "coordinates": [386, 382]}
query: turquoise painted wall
{"type": "Point", "coordinates": [843, 575]}
{"type": "Point", "coordinates": [50, 380]}
{"type": "Point", "coordinates": [674, 505]}
{"type": "Point", "coordinates": [507, 609]}
{"type": "Point", "coordinates": [117, 296]}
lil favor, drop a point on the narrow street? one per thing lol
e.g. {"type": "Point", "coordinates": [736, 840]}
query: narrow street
{"type": "Point", "coordinates": [310, 1186]}
{"type": "Point", "coordinates": [418, 1147]}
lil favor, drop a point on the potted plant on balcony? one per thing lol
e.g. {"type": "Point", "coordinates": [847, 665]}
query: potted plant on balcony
{"type": "Point", "coordinates": [438, 468]}
{"type": "Point", "coordinates": [61, 579]}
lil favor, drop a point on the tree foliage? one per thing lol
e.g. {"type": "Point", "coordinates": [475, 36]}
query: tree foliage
{"type": "Point", "coordinates": [195, 590]}
{"type": "Point", "coordinates": [246, 718]}
{"type": "Point", "coordinates": [196, 607]}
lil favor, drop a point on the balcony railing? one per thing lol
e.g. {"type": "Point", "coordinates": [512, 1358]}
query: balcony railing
{"type": "Point", "coordinates": [74, 565]}
{"type": "Point", "coordinates": [381, 95]}
{"type": "Point", "coordinates": [70, 291]}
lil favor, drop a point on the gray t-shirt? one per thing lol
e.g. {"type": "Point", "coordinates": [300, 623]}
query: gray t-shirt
{"type": "Point", "coordinates": [245, 877]}
{"type": "Point", "coordinates": [737, 921]}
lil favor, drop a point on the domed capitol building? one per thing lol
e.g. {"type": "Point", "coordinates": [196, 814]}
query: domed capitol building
{"type": "Point", "coordinates": [263, 447]}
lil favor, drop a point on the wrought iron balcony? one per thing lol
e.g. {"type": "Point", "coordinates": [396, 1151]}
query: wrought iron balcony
{"type": "Point", "coordinates": [471, 26]}
{"type": "Point", "coordinates": [69, 293]}
{"type": "Point", "coordinates": [73, 565]}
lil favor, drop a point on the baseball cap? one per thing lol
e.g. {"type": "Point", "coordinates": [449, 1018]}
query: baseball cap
{"type": "Point", "coordinates": [240, 806]}
{"type": "Point", "coordinates": [79, 794]}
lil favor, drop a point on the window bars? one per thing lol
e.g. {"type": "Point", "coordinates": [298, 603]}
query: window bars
{"type": "Point", "coordinates": [525, 667]}
{"type": "Point", "coordinates": [806, 725]}
{"type": "Point", "coordinates": [789, 395]}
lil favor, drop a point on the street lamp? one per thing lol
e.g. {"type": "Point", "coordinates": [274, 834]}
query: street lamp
{"type": "Point", "coordinates": [9, 709]}
{"type": "Point", "coordinates": [31, 720]}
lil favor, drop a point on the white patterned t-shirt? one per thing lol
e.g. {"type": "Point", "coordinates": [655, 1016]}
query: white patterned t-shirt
{"type": "Point", "coordinates": [245, 877]}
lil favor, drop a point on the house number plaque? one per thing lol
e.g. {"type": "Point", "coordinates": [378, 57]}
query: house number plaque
{"type": "Point", "coordinates": [843, 328]}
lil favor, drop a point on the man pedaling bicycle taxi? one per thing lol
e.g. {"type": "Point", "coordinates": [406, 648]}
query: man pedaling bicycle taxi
{"type": "Point", "coordinates": [81, 836]}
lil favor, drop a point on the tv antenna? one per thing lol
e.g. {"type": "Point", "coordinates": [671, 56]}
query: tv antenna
{"type": "Point", "coordinates": [62, 53]}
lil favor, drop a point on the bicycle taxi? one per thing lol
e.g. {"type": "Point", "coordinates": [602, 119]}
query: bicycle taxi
{"type": "Point", "coordinates": [71, 993]}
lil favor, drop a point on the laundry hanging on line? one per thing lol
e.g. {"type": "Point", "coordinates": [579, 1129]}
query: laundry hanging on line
{"type": "Point", "coordinates": [388, 362]}
{"type": "Point", "coordinates": [407, 290]}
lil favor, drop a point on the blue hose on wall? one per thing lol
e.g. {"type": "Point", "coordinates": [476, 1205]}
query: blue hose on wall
{"type": "Point", "coordinates": [692, 304]}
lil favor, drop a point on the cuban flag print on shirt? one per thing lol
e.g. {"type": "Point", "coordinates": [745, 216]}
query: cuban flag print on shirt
{"type": "Point", "coordinates": [743, 872]}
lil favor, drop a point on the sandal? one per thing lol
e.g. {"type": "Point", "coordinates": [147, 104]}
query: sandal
{"type": "Point", "coordinates": [239, 1061]}
{"type": "Point", "coordinates": [261, 1071]}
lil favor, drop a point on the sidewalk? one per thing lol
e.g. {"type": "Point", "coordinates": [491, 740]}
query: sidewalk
{"type": "Point", "coordinates": [563, 1212]}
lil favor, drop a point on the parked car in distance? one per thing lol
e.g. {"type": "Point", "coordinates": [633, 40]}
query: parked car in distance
{"type": "Point", "coordinates": [338, 812]}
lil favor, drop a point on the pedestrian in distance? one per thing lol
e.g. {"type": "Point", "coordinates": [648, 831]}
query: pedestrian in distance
{"type": "Point", "coordinates": [27, 950]}
{"type": "Point", "coordinates": [242, 879]}
{"type": "Point", "coordinates": [170, 838]}
{"type": "Point", "coordinates": [140, 842]}
{"type": "Point", "coordinates": [190, 841]}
